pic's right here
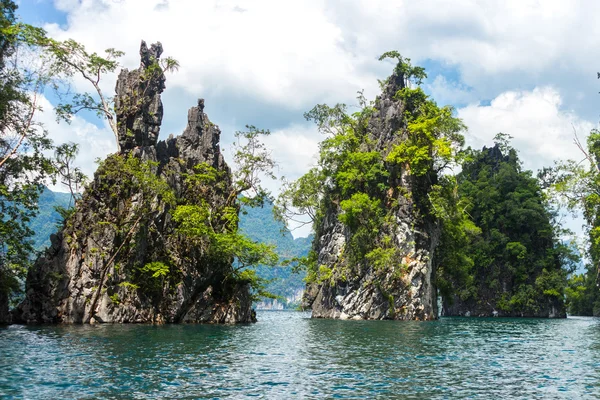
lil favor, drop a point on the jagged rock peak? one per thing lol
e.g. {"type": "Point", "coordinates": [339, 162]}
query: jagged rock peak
{"type": "Point", "coordinates": [494, 153]}
{"type": "Point", "coordinates": [200, 139]}
{"type": "Point", "coordinates": [357, 289]}
{"type": "Point", "coordinates": [149, 56]}
{"type": "Point", "coordinates": [138, 106]}
{"type": "Point", "coordinates": [96, 269]}
{"type": "Point", "coordinates": [394, 83]}
{"type": "Point", "coordinates": [387, 119]}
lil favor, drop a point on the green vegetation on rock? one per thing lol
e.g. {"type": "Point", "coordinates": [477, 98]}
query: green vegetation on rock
{"type": "Point", "coordinates": [505, 254]}
{"type": "Point", "coordinates": [577, 185]}
{"type": "Point", "coordinates": [377, 170]}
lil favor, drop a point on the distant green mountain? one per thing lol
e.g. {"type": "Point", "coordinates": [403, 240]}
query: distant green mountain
{"type": "Point", "coordinates": [257, 223]}
{"type": "Point", "coordinates": [260, 226]}
{"type": "Point", "coordinates": [45, 223]}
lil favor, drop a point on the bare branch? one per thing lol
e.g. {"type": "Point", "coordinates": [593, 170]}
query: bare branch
{"type": "Point", "coordinates": [24, 132]}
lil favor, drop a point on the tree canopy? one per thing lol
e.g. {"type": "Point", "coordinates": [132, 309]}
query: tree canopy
{"type": "Point", "coordinates": [23, 143]}
{"type": "Point", "coordinates": [504, 251]}
{"type": "Point", "coordinates": [576, 184]}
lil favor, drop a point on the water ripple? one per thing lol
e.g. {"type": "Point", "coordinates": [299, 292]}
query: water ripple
{"type": "Point", "coordinates": [288, 355]}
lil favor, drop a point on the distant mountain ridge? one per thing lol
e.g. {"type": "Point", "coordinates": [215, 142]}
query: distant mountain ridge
{"type": "Point", "coordinates": [260, 226]}
{"type": "Point", "coordinates": [44, 224]}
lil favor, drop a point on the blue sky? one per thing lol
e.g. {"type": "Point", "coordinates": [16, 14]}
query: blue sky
{"type": "Point", "coordinates": [526, 68]}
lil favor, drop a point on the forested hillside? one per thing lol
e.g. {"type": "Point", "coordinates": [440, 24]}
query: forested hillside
{"type": "Point", "coordinates": [45, 223]}
{"type": "Point", "coordinates": [258, 223]}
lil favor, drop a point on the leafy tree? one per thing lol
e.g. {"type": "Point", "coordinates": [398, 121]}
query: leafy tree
{"type": "Point", "coordinates": [252, 161]}
{"type": "Point", "coordinates": [582, 294]}
{"type": "Point", "coordinates": [69, 175]}
{"type": "Point", "coordinates": [576, 184]}
{"type": "Point", "coordinates": [404, 68]}
{"type": "Point", "coordinates": [213, 225]}
{"type": "Point", "coordinates": [23, 165]}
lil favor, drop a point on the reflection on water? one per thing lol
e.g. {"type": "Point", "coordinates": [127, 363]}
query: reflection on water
{"type": "Point", "coordinates": [288, 355]}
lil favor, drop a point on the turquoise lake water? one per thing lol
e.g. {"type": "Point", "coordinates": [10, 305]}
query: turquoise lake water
{"type": "Point", "coordinates": [288, 355]}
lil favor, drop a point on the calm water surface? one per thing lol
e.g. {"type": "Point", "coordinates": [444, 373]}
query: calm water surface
{"type": "Point", "coordinates": [288, 355]}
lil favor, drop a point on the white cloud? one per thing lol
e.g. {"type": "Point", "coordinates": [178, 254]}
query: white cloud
{"type": "Point", "coordinates": [542, 131]}
{"type": "Point", "coordinates": [484, 38]}
{"type": "Point", "coordinates": [278, 51]}
{"type": "Point", "coordinates": [536, 59]}
{"type": "Point", "coordinates": [295, 149]}
{"type": "Point", "coordinates": [296, 54]}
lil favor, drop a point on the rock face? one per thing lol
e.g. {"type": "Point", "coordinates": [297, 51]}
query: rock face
{"type": "Point", "coordinates": [5, 317]}
{"type": "Point", "coordinates": [119, 257]}
{"type": "Point", "coordinates": [138, 105]}
{"type": "Point", "coordinates": [360, 291]}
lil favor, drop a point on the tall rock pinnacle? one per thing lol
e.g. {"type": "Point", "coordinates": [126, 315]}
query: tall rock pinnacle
{"type": "Point", "coordinates": [137, 103]}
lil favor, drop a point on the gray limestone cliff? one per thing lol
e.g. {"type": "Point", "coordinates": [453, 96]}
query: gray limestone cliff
{"type": "Point", "coordinates": [359, 290]}
{"type": "Point", "coordinates": [119, 258]}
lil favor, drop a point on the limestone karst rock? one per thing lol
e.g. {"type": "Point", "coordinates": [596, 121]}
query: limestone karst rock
{"type": "Point", "coordinates": [358, 291]}
{"type": "Point", "coordinates": [138, 106]}
{"type": "Point", "coordinates": [96, 269]}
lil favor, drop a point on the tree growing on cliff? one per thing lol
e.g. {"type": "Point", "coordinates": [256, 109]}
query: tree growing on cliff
{"type": "Point", "coordinates": [576, 184]}
{"type": "Point", "coordinates": [69, 175]}
{"type": "Point", "coordinates": [361, 175]}
{"type": "Point", "coordinates": [215, 226]}
{"type": "Point", "coordinates": [252, 161]}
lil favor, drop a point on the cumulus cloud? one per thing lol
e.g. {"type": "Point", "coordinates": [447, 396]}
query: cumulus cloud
{"type": "Point", "coordinates": [543, 132]}
{"type": "Point", "coordinates": [265, 62]}
{"type": "Point", "coordinates": [278, 51]}
{"type": "Point", "coordinates": [293, 55]}
{"type": "Point", "coordinates": [492, 43]}
{"type": "Point", "coordinates": [295, 149]}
